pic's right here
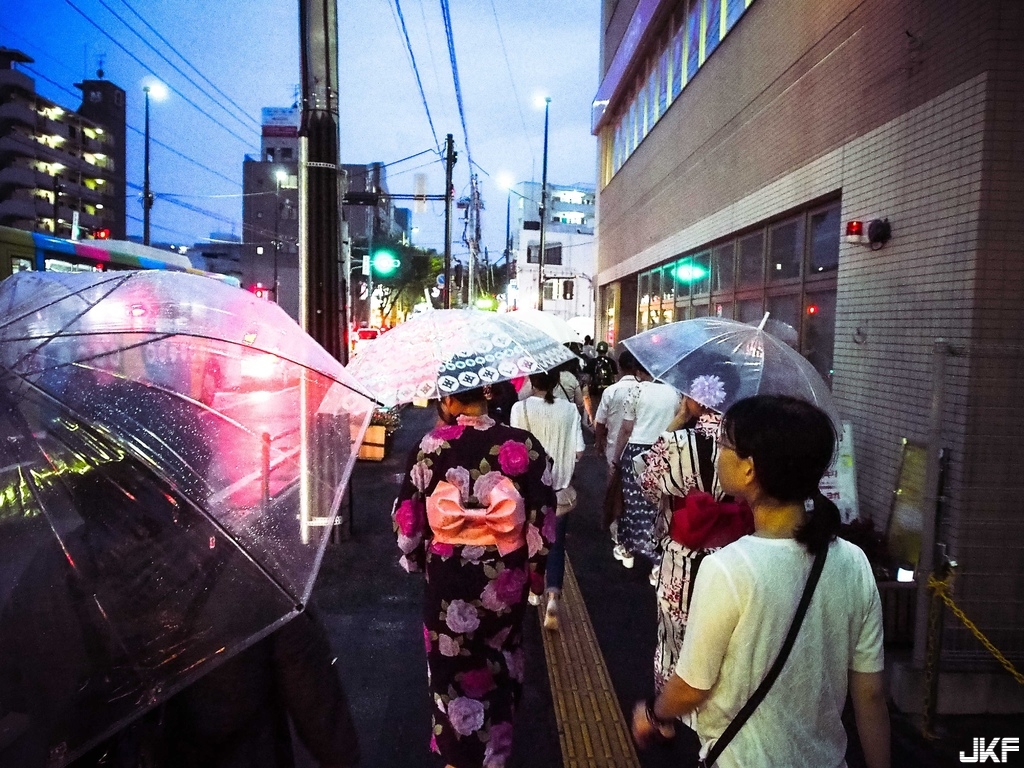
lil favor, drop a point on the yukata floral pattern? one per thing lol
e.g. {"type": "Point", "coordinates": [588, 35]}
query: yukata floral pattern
{"type": "Point", "coordinates": [475, 598]}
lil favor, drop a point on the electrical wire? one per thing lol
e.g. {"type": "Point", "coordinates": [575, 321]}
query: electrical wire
{"type": "Point", "coordinates": [147, 68]}
{"type": "Point", "coordinates": [131, 127]}
{"type": "Point", "coordinates": [446, 13]}
{"type": "Point", "coordinates": [508, 68]}
{"type": "Point", "coordinates": [416, 71]}
{"type": "Point", "coordinates": [192, 66]}
{"type": "Point", "coordinates": [178, 69]}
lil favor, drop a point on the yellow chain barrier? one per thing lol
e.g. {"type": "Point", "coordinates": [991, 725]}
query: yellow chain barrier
{"type": "Point", "coordinates": [942, 590]}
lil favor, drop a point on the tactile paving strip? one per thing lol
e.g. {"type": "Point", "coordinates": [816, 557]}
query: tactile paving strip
{"type": "Point", "coordinates": [591, 726]}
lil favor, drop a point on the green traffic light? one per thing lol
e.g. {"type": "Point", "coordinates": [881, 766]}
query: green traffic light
{"type": "Point", "coordinates": [690, 273]}
{"type": "Point", "coordinates": [385, 263]}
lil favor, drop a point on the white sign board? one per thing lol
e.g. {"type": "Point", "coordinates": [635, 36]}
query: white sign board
{"type": "Point", "coordinates": [840, 481]}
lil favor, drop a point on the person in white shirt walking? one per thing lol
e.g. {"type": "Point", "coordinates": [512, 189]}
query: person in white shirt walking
{"type": "Point", "coordinates": [646, 415]}
{"type": "Point", "coordinates": [556, 424]}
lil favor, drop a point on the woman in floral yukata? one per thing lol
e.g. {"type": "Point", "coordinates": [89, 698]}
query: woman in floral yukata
{"type": "Point", "coordinates": [476, 512]}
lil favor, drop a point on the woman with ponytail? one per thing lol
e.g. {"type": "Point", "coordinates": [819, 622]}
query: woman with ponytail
{"type": "Point", "coordinates": [773, 451]}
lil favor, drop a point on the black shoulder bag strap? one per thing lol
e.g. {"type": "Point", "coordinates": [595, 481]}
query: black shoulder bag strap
{"type": "Point", "coordinates": [769, 679]}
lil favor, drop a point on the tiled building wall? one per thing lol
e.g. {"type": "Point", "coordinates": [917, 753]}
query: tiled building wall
{"type": "Point", "coordinates": [791, 82]}
{"type": "Point", "coordinates": [911, 111]}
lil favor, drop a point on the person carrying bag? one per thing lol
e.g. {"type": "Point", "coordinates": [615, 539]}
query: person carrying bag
{"type": "Point", "coordinates": [557, 425]}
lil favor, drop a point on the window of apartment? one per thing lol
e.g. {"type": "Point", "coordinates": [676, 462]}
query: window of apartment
{"type": "Point", "coordinates": [568, 290]}
{"type": "Point", "coordinates": [552, 254]}
{"type": "Point", "coordinates": [689, 39]}
{"type": "Point", "coordinates": [549, 290]}
{"type": "Point", "coordinates": [712, 27]}
{"type": "Point", "coordinates": [286, 153]}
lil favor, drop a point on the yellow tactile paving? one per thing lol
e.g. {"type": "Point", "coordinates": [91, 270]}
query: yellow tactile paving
{"type": "Point", "coordinates": [591, 727]}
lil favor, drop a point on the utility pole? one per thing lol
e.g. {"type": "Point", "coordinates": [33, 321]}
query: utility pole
{"type": "Point", "coordinates": [543, 209]}
{"type": "Point", "coordinates": [449, 163]}
{"type": "Point", "coordinates": [147, 194]}
{"type": "Point", "coordinates": [320, 285]}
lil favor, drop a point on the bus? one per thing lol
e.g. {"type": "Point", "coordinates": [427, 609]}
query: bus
{"type": "Point", "coordinates": [21, 250]}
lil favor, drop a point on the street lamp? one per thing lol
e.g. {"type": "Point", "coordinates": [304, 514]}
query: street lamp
{"type": "Point", "coordinates": [280, 176]}
{"type": "Point", "coordinates": [543, 208]}
{"type": "Point", "coordinates": [158, 91]}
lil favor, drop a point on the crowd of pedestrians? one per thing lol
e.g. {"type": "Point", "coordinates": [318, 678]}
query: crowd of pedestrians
{"type": "Point", "coordinates": [724, 509]}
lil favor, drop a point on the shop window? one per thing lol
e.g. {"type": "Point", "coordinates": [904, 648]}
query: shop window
{"type": "Point", "coordinates": [751, 259]}
{"type": "Point", "coordinates": [20, 265]}
{"type": "Point", "coordinates": [750, 310]}
{"type": "Point", "coordinates": [723, 267]}
{"type": "Point", "coordinates": [733, 10]}
{"type": "Point", "coordinates": [823, 253]}
{"type": "Point", "coordinates": [701, 274]}
{"type": "Point", "coordinates": [819, 331]}
{"type": "Point", "coordinates": [723, 309]}
{"type": "Point", "coordinates": [785, 249]}
{"type": "Point", "coordinates": [786, 310]}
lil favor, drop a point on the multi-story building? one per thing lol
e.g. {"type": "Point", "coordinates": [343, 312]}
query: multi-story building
{"type": "Point", "coordinates": [58, 165]}
{"type": "Point", "coordinates": [270, 211]}
{"type": "Point", "coordinates": [740, 142]}
{"type": "Point", "coordinates": [570, 257]}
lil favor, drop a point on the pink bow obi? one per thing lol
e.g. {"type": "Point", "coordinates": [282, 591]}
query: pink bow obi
{"type": "Point", "coordinates": [499, 523]}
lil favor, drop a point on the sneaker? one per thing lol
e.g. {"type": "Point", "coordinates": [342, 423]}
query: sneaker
{"type": "Point", "coordinates": [551, 614]}
{"type": "Point", "coordinates": [623, 555]}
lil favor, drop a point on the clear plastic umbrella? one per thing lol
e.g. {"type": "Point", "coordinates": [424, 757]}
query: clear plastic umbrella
{"type": "Point", "coordinates": [443, 351]}
{"type": "Point", "coordinates": [173, 452]}
{"type": "Point", "coordinates": [718, 362]}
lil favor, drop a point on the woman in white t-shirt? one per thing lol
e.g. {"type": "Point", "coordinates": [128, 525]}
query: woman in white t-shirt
{"type": "Point", "coordinates": [773, 451]}
{"type": "Point", "coordinates": [645, 417]}
{"type": "Point", "coordinates": [556, 424]}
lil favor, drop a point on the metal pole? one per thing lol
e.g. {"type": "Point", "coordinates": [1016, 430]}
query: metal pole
{"type": "Point", "coordinates": [471, 287]}
{"type": "Point", "coordinates": [56, 202]}
{"type": "Point", "coordinates": [449, 163]}
{"type": "Point", "coordinates": [277, 232]}
{"type": "Point", "coordinates": [147, 195]}
{"type": "Point", "coordinates": [543, 209]}
{"type": "Point", "coordinates": [508, 223]}
{"type": "Point", "coordinates": [930, 500]}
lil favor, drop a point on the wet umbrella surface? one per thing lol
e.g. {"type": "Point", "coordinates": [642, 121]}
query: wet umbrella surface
{"type": "Point", "coordinates": [173, 452]}
{"type": "Point", "coordinates": [728, 361]}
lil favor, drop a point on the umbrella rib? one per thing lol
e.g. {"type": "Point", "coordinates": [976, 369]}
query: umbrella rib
{"type": "Point", "coordinates": [70, 321]}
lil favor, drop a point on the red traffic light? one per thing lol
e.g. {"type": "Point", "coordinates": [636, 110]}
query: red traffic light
{"type": "Point", "coordinates": [260, 292]}
{"type": "Point", "coordinates": [101, 234]}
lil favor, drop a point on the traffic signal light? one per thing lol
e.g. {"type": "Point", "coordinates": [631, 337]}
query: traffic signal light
{"type": "Point", "coordinates": [385, 264]}
{"type": "Point", "coordinates": [260, 292]}
{"type": "Point", "coordinates": [101, 234]}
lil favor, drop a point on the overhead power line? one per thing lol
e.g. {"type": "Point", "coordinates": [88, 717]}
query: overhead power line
{"type": "Point", "coordinates": [446, 13]}
{"type": "Point", "coordinates": [131, 127]}
{"type": "Point", "coordinates": [416, 71]}
{"type": "Point", "coordinates": [191, 66]}
{"type": "Point", "coordinates": [178, 69]}
{"type": "Point", "coordinates": [511, 79]}
{"type": "Point", "coordinates": [147, 68]}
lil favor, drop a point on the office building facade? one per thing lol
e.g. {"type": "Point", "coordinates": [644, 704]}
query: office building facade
{"type": "Point", "coordinates": [740, 140]}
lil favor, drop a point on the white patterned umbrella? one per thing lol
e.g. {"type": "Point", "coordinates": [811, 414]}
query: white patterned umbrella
{"type": "Point", "coordinates": [551, 324]}
{"type": "Point", "coordinates": [443, 351]}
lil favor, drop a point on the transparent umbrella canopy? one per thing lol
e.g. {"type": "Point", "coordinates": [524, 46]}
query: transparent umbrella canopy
{"type": "Point", "coordinates": [443, 351]}
{"type": "Point", "coordinates": [173, 452]}
{"type": "Point", "coordinates": [720, 361]}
